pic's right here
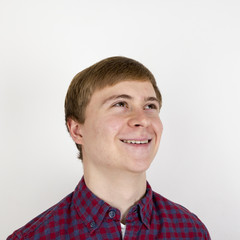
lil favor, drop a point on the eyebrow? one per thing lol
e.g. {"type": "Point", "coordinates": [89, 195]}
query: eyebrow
{"type": "Point", "coordinates": [125, 96]}
{"type": "Point", "coordinates": [114, 97]}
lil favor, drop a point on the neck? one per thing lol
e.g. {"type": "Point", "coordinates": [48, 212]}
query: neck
{"type": "Point", "coordinates": [118, 189]}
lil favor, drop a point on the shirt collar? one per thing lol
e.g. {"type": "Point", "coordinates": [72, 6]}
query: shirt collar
{"type": "Point", "coordinates": [146, 205]}
{"type": "Point", "coordinates": [92, 210]}
{"type": "Point", "coordinates": [143, 207]}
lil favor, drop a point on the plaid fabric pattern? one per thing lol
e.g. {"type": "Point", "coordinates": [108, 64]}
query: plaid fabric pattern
{"type": "Point", "coordinates": [82, 215]}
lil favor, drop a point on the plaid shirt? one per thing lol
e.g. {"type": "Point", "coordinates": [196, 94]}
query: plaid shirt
{"type": "Point", "coordinates": [82, 215]}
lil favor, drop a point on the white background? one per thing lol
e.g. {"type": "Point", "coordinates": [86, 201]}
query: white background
{"type": "Point", "coordinates": [192, 48]}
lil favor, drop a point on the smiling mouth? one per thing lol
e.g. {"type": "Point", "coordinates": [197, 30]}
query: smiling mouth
{"type": "Point", "coordinates": [137, 141]}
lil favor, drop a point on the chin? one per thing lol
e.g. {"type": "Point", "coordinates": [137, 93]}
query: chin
{"type": "Point", "coordinates": [139, 166]}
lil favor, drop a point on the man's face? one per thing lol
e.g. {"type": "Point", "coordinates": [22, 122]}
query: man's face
{"type": "Point", "coordinates": [122, 128]}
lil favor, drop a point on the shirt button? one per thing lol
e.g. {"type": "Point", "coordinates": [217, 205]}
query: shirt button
{"type": "Point", "coordinates": [111, 214]}
{"type": "Point", "coordinates": [92, 224]}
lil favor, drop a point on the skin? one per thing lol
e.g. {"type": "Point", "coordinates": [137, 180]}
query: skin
{"type": "Point", "coordinates": [114, 168]}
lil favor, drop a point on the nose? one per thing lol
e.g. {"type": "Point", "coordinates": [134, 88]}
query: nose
{"type": "Point", "coordinates": [138, 119]}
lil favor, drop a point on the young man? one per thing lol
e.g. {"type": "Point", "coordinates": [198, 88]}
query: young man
{"type": "Point", "coordinates": [112, 114]}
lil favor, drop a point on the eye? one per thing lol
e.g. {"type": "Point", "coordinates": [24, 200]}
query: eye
{"type": "Point", "coordinates": [120, 104]}
{"type": "Point", "coordinates": [151, 106]}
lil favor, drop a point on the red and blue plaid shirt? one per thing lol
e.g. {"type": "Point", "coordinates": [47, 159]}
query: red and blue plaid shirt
{"type": "Point", "coordinates": [82, 215]}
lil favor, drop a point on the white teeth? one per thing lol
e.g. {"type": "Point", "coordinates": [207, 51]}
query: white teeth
{"type": "Point", "coordinates": [135, 142]}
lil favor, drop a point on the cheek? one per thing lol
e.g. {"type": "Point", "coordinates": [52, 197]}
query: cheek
{"type": "Point", "coordinates": [112, 125]}
{"type": "Point", "coordinates": [158, 126]}
{"type": "Point", "coordinates": [102, 132]}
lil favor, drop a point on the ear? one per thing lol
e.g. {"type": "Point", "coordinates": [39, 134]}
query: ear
{"type": "Point", "coordinates": [74, 129]}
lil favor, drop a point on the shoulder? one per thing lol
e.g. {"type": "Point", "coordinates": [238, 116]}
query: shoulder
{"type": "Point", "coordinates": [169, 207]}
{"type": "Point", "coordinates": [43, 222]}
{"type": "Point", "coordinates": [176, 215]}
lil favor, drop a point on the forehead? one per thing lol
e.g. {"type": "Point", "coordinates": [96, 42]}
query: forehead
{"type": "Point", "coordinates": [131, 87]}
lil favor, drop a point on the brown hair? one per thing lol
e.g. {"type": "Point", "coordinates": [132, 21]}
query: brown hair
{"type": "Point", "coordinates": [107, 72]}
